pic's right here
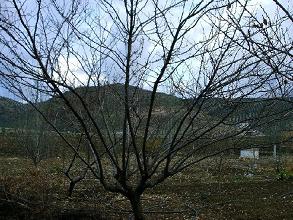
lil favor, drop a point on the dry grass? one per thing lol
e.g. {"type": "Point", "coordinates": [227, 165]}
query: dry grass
{"type": "Point", "coordinates": [217, 188]}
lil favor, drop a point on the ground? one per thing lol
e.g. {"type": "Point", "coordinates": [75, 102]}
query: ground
{"type": "Point", "coordinates": [219, 188]}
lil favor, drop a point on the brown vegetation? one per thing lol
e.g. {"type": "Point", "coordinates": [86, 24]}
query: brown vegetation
{"type": "Point", "coordinates": [219, 188]}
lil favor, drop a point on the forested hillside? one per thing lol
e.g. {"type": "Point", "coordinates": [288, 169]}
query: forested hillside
{"type": "Point", "coordinates": [107, 102]}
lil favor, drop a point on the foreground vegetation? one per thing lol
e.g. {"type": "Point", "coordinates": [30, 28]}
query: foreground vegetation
{"type": "Point", "coordinates": [97, 69]}
{"type": "Point", "coordinates": [218, 188]}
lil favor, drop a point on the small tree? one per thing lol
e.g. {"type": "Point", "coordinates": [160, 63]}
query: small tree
{"type": "Point", "coordinates": [137, 138]}
{"type": "Point", "coordinates": [31, 134]}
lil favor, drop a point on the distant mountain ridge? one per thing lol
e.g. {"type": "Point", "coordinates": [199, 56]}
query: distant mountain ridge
{"type": "Point", "coordinates": [10, 112]}
{"type": "Point", "coordinates": [111, 97]}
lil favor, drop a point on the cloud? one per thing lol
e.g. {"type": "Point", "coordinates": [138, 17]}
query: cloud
{"type": "Point", "coordinates": [73, 73]}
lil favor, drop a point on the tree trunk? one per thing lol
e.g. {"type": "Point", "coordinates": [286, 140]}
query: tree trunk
{"type": "Point", "coordinates": [135, 202]}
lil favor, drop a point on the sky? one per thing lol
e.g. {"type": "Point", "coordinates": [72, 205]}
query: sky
{"type": "Point", "coordinates": [76, 68]}
{"type": "Point", "coordinates": [5, 93]}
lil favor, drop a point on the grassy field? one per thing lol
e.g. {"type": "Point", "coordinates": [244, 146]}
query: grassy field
{"type": "Point", "coordinates": [218, 188]}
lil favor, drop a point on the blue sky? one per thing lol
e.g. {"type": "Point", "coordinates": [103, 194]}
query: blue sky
{"type": "Point", "coordinates": [268, 5]}
{"type": "Point", "coordinates": [5, 93]}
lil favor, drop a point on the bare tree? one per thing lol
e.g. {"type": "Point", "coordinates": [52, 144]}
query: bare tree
{"type": "Point", "coordinates": [93, 57]}
{"type": "Point", "coordinates": [30, 133]}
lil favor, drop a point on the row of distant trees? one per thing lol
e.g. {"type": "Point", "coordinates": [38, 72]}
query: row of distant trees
{"type": "Point", "coordinates": [197, 50]}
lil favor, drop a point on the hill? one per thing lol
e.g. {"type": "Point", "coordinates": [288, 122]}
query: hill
{"type": "Point", "coordinates": [106, 105]}
{"type": "Point", "coordinates": [102, 102]}
{"type": "Point", "coordinates": [10, 112]}
{"type": "Point", "coordinates": [269, 115]}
